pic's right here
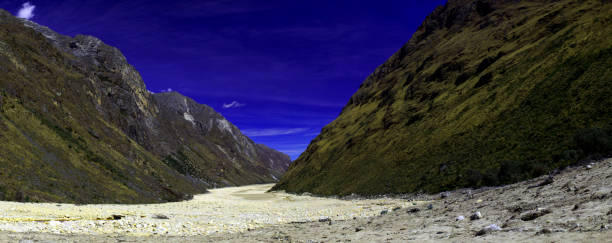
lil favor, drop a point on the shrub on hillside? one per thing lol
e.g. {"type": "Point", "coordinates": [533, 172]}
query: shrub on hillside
{"type": "Point", "coordinates": [594, 141]}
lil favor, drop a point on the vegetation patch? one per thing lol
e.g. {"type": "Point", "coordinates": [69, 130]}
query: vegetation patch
{"type": "Point", "coordinates": [546, 105]}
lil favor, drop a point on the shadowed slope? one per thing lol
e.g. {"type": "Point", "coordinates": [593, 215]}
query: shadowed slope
{"type": "Point", "coordinates": [485, 93]}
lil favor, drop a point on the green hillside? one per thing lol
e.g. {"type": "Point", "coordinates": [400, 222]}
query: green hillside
{"type": "Point", "coordinates": [484, 93]}
{"type": "Point", "coordinates": [78, 125]}
{"type": "Point", "coordinates": [55, 146]}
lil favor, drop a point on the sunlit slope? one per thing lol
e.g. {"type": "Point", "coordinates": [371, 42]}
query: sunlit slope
{"type": "Point", "coordinates": [485, 93]}
{"type": "Point", "coordinates": [78, 125]}
{"type": "Point", "coordinates": [55, 145]}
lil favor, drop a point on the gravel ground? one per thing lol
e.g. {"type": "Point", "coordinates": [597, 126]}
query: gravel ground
{"type": "Point", "coordinates": [222, 211]}
{"type": "Point", "coordinates": [572, 206]}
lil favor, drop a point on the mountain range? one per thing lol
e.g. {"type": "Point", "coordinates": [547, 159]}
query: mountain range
{"type": "Point", "coordinates": [77, 124]}
{"type": "Point", "coordinates": [485, 93]}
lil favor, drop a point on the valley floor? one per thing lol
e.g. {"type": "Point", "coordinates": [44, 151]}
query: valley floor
{"type": "Point", "coordinates": [575, 206]}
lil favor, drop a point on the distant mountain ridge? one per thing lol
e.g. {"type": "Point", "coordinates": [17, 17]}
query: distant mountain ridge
{"type": "Point", "coordinates": [486, 92]}
{"type": "Point", "coordinates": [197, 134]}
{"type": "Point", "coordinates": [78, 125]}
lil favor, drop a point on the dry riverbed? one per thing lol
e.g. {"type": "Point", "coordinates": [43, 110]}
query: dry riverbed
{"type": "Point", "coordinates": [572, 206]}
{"type": "Point", "coordinates": [222, 211]}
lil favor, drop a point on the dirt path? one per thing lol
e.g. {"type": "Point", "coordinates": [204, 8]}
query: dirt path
{"type": "Point", "coordinates": [575, 206]}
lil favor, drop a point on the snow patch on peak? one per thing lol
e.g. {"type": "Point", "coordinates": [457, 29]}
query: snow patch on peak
{"type": "Point", "coordinates": [224, 125]}
{"type": "Point", "coordinates": [186, 106]}
{"type": "Point", "coordinates": [189, 117]}
{"type": "Point", "coordinates": [186, 114]}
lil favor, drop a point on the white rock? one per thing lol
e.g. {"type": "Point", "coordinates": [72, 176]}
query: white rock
{"type": "Point", "coordinates": [460, 218]}
{"type": "Point", "coordinates": [493, 227]}
{"type": "Point", "coordinates": [488, 229]}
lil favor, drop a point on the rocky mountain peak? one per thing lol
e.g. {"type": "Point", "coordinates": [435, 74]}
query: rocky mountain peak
{"type": "Point", "coordinates": [96, 56]}
{"type": "Point", "coordinates": [180, 103]}
{"type": "Point", "coordinates": [86, 47]}
{"type": "Point", "coordinates": [202, 123]}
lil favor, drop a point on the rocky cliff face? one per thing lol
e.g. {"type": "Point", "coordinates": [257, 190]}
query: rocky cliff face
{"type": "Point", "coordinates": [277, 162]}
{"type": "Point", "coordinates": [78, 125]}
{"type": "Point", "coordinates": [484, 93]}
{"type": "Point", "coordinates": [198, 141]}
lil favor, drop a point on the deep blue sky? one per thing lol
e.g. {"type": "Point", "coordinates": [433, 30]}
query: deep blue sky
{"type": "Point", "coordinates": [291, 65]}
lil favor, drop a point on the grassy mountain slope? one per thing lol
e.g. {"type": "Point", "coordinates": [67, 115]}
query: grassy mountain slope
{"type": "Point", "coordinates": [484, 93]}
{"type": "Point", "coordinates": [78, 125]}
{"type": "Point", "coordinates": [55, 146]}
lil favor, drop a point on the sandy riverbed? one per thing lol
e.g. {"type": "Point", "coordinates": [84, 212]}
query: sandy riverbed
{"type": "Point", "coordinates": [227, 210]}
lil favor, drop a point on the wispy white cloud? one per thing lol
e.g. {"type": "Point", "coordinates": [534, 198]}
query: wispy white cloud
{"type": "Point", "coordinates": [272, 132]}
{"type": "Point", "coordinates": [166, 90]}
{"type": "Point", "coordinates": [233, 104]}
{"type": "Point", "coordinates": [26, 11]}
{"type": "Point", "coordinates": [305, 101]}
